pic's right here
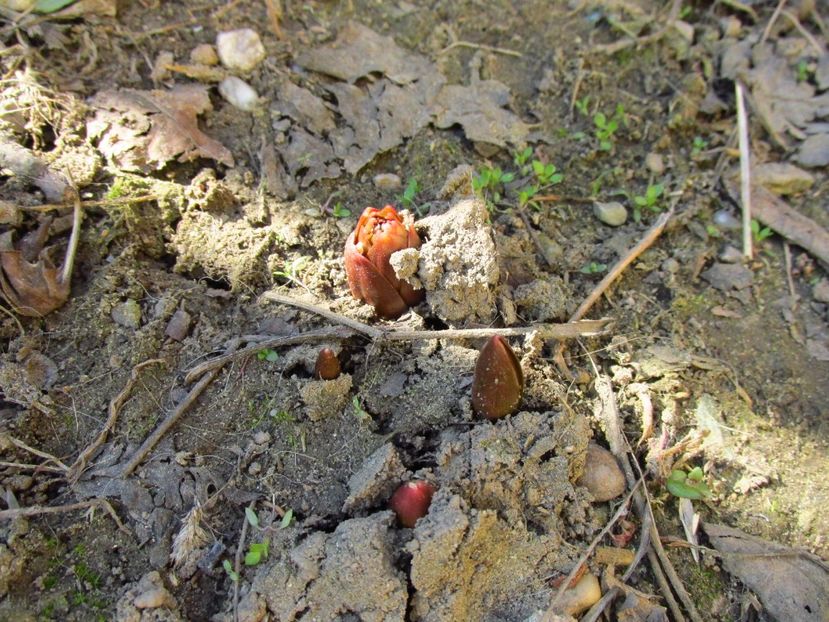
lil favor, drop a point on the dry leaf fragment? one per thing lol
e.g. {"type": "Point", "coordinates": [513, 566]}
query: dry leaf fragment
{"type": "Point", "coordinates": [35, 289]}
{"type": "Point", "coordinates": [480, 109]}
{"type": "Point", "coordinates": [142, 130]}
{"type": "Point", "coordinates": [793, 585]}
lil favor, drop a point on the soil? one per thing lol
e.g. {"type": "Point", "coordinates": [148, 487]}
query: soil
{"type": "Point", "coordinates": [182, 236]}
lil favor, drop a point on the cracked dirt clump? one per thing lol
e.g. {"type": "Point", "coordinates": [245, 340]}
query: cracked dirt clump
{"type": "Point", "coordinates": [376, 479]}
{"type": "Point", "coordinates": [522, 467]}
{"type": "Point", "coordinates": [325, 398]}
{"type": "Point", "coordinates": [420, 393]}
{"type": "Point", "coordinates": [329, 576]}
{"type": "Point", "coordinates": [457, 264]}
{"type": "Point", "coordinates": [470, 564]}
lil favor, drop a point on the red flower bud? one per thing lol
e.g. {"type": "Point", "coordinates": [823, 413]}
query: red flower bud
{"type": "Point", "coordinates": [411, 501]}
{"type": "Point", "coordinates": [378, 234]}
{"type": "Point", "coordinates": [328, 365]}
{"type": "Point", "coordinates": [498, 381]}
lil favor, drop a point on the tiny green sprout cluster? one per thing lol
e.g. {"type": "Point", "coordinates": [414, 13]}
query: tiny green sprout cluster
{"type": "Point", "coordinates": [690, 484]}
{"type": "Point", "coordinates": [650, 201]}
{"type": "Point", "coordinates": [606, 127]}
{"type": "Point", "coordinates": [532, 177]}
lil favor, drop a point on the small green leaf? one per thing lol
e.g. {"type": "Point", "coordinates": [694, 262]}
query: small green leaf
{"type": "Point", "coordinates": [640, 201]}
{"type": "Point", "coordinates": [50, 6]}
{"type": "Point", "coordinates": [605, 145]}
{"type": "Point", "coordinates": [556, 179]}
{"type": "Point", "coordinates": [286, 520]}
{"type": "Point", "coordinates": [538, 167]}
{"type": "Point", "coordinates": [507, 177]}
{"type": "Point", "coordinates": [681, 484]}
{"type": "Point", "coordinates": [250, 515]}
{"type": "Point", "coordinates": [252, 558]}
{"type": "Point", "coordinates": [234, 576]}
{"type": "Point", "coordinates": [600, 120]}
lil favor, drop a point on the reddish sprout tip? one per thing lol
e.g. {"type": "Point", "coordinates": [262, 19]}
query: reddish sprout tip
{"type": "Point", "coordinates": [378, 235]}
{"type": "Point", "coordinates": [328, 365]}
{"type": "Point", "coordinates": [411, 501]}
{"type": "Point", "coordinates": [498, 382]}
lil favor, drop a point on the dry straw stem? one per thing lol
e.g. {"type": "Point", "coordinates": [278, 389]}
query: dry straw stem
{"type": "Point", "coordinates": [745, 169]}
{"type": "Point", "coordinates": [76, 470]}
{"type": "Point", "coordinates": [38, 510]}
{"type": "Point", "coordinates": [623, 507]}
{"type": "Point", "coordinates": [171, 419]}
{"type": "Point", "coordinates": [619, 447]}
{"type": "Point", "coordinates": [569, 330]}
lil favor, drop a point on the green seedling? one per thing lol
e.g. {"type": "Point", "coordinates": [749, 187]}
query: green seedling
{"type": "Point", "coordinates": [234, 576]}
{"type": "Point", "coordinates": [359, 411]}
{"type": "Point", "coordinates": [526, 194]}
{"type": "Point", "coordinates": [690, 485]}
{"type": "Point", "coordinates": [292, 270]}
{"type": "Point", "coordinates": [758, 232]}
{"type": "Point", "coordinates": [698, 145]}
{"type": "Point", "coordinates": [252, 517]}
{"type": "Point", "coordinates": [546, 173]}
{"type": "Point", "coordinates": [257, 551]}
{"type": "Point", "coordinates": [489, 183]}
{"type": "Point", "coordinates": [650, 200]}
{"type": "Point", "coordinates": [521, 159]}
{"type": "Point", "coordinates": [339, 211]}
{"type": "Point", "coordinates": [593, 268]}
{"type": "Point", "coordinates": [286, 519]}
{"type": "Point", "coordinates": [267, 355]}
{"type": "Point", "coordinates": [582, 105]}
{"type": "Point", "coordinates": [606, 127]}
{"type": "Point", "coordinates": [409, 194]}
{"type": "Point", "coordinates": [802, 71]}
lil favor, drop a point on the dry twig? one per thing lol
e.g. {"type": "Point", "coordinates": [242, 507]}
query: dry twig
{"type": "Point", "coordinates": [745, 169]}
{"type": "Point", "coordinates": [38, 510]}
{"type": "Point", "coordinates": [171, 419]}
{"type": "Point", "coordinates": [74, 472]}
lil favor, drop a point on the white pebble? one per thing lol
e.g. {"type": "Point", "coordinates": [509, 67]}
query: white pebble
{"type": "Point", "coordinates": [239, 93]}
{"type": "Point", "coordinates": [240, 50]}
{"type": "Point", "coordinates": [613, 213]}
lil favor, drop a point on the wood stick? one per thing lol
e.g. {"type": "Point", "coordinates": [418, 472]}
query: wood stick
{"type": "Point", "coordinates": [745, 169]}
{"type": "Point", "coordinates": [77, 468]}
{"type": "Point", "coordinates": [38, 510]}
{"type": "Point", "coordinates": [171, 419]}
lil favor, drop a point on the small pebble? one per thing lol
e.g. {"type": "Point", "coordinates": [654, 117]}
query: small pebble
{"type": "Point", "coordinates": [782, 178]}
{"type": "Point", "coordinates": [613, 213]}
{"type": "Point", "coordinates": [387, 181]}
{"type": "Point", "coordinates": [655, 163]}
{"type": "Point", "coordinates": [178, 326]}
{"type": "Point", "coordinates": [239, 93]}
{"type": "Point", "coordinates": [724, 219]}
{"type": "Point", "coordinates": [730, 254]}
{"type": "Point", "coordinates": [204, 54]}
{"type": "Point", "coordinates": [602, 476]}
{"type": "Point", "coordinates": [240, 50]}
{"type": "Point", "coordinates": [152, 599]}
{"type": "Point", "coordinates": [261, 438]}
{"type": "Point", "coordinates": [670, 265]}
{"type": "Point", "coordinates": [814, 151]}
{"type": "Point", "coordinates": [820, 291]}
{"type": "Point", "coordinates": [731, 26]}
{"type": "Point", "coordinates": [127, 314]}
{"type": "Point", "coordinates": [255, 468]}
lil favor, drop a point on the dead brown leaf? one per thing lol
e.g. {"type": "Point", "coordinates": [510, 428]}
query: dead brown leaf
{"type": "Point", "coordinates": [32, 289]}
{"type": "Point", "coordinates": [144, 130]}
{"type": "Point", "coordinates": [480, 109]}
{"type": "Point", "coordinates": [793, 585]}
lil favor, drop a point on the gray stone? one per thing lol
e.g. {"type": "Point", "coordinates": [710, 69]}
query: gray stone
{"type": "Point", "coordinates": [730, 254]}
{"type": "Point", "coordinates": [655, 163]}
{"type": "Point", "coordinates": [127, 314]}
{"type": "Point", "coordinates": [782, 178]}
{"type": "Point", "coordinates": [240, 50]}
{"type": "Point", "coordinates": [178, 326]}
{"type": "Point", "coordinates": [613, 213]}
{"type": "Point", "coordinates": [725, 276]}
{"type": "Point", "coordinates": [387, 181]}
{"type": "Point", "coordinates": [814, 151]}
{"type": "Point", "coordinates": [820, 291]}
